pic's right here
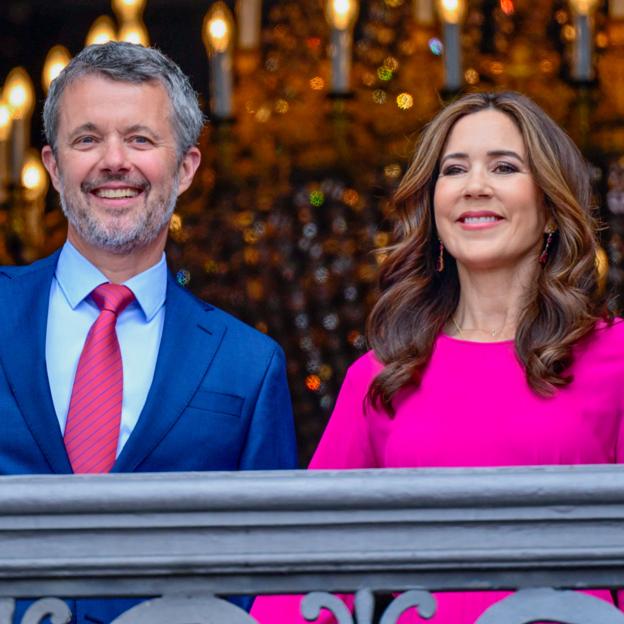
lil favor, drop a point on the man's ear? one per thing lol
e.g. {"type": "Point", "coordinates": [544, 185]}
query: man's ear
{"type": "Point", "coordinates": [49, 162]}
{"type": "Point", "coordinates": [188, 167]}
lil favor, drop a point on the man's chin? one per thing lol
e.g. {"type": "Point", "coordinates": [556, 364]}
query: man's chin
{"type": "Point", "coordinates": [118, 242]}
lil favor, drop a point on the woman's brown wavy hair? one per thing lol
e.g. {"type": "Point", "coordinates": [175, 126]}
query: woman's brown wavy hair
{"type": "Point", "coordinates": [416, 301]}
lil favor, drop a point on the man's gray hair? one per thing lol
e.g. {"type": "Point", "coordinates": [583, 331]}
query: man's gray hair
{"type": "Point", "coordinates": [128, 62]}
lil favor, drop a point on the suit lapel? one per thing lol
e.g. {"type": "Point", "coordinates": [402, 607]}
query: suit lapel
{"type": "Point", "coordinates": [190, 339]}
{"type": "Point", "coordinates": [24, 302]}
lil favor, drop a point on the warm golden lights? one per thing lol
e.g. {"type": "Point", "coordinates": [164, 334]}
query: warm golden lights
{"type": "Point", "coordinates": [218, 28]}
{"type": "Point", "coordinates": [5, 121]}
{"type": "Point", "coordinates": [34, 177]}
{"type": "Point", "coordinates": [134, 32]}
{"type": "Point", "coordinates": [341, 14]}
{"type": "Point", "coordinates": [583, 7]}
{"type": "Point", "coordinates": [128, 10]}
{"type": "Point", "coordinates": [101, 31]}
{"type": "Point", "coordinates": [19, 93]}
{"type": "Point", "coordinates": [56, 60]}
{"type": "Point", "coordinates": [451, 11]}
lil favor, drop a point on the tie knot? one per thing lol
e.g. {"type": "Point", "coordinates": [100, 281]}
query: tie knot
{"type": "Point", "coordinates": [112, 297]}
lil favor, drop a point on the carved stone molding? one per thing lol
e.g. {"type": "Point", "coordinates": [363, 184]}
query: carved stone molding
{"type": "Point", "coordinates": [292, 532]}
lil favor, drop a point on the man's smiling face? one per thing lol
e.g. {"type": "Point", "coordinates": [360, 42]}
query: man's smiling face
{"type": "Point", "coordinates": [116, 166]}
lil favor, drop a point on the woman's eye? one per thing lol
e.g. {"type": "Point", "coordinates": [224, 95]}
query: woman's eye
{"type": "Point", "coordinates": [452, 170]}
{"type": "Point", "coordinates": [505, 168]}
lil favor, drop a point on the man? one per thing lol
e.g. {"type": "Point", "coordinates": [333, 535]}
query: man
{"type": "Point", "coordinates": [136, 375]}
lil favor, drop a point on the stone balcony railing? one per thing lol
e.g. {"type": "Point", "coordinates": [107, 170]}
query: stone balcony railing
{"type": "Point", "coordinates": [186, 537]}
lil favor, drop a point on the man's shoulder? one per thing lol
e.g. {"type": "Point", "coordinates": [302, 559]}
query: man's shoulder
{"type": "Point", "coordinates": [245, 332]}
{"type": "Point", "coordinates": [248, 338]}
{"type": "Point", "coordinates": [18, 270]}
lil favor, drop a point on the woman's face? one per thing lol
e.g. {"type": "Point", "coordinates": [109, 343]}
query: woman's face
{"type": "Point", "coordinates": [488, 210]}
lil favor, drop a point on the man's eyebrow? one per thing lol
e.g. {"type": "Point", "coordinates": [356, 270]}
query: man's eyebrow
{"type": "Point", "coordinates": [85, 127]}
{"type": "Point", "coordinates": [143, 130]}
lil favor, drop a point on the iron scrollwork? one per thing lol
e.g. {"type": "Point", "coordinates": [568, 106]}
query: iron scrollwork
{"type": "Point", "coordinates": [523, 607]}
{"type": "Point", "coordinates": [166, 610]}
{"type": "Point", "coordinates": [364, 607]}
{"type": "Point", "coordinates": [53, 608]}
{"type": "Point", "coordinates": [184, 610]}
{"type": "Point", "coordinates": [563, 607]}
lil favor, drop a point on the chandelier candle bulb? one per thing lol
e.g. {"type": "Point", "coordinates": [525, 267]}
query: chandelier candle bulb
{"type": "Point", "coordinates": [341, 16]}
{"type": "Point", "coordinates": [102, 30]}
{"type": "Point", "coordinates": [56, 60]}
{"type": "Point", "coordinates": [582, 53]}
{"type": "Point", "coordinates": [249, 17]}
{"type": "Point", "coordinates": [34, 182]}
{"type": "Point", "coordinates": [451, 13]}
{"type": "Point", "coordinates": [218, 35]}
{"type": "Point", "coordinates": [128, 10]}
{"type": "Point", "coordinates": [423, 12]}
{"type": "Point", "coordinates": [20, 97]}
{"type": "Point", "coordinates": [134, 31]}
{"type": "Point", "coordinates": [5, 133]}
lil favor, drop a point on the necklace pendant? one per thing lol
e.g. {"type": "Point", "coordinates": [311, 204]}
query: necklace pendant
{"type": "Point", "coordinates": [492, 333]}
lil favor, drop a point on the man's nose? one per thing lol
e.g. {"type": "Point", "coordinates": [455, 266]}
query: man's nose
{"type": "Point", "coordinates": [114, 156]}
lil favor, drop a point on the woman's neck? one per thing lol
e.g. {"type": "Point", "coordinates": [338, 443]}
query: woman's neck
{"type": "Point", "coordinates": [490, 302]}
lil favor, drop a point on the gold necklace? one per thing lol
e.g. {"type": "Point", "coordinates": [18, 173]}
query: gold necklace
{"type": "Point", "coordinates": [491, 332]}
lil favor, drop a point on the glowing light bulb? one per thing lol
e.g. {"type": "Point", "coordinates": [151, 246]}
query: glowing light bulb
{"type": "Point", "coordinates": [128, 10]}
{"type": "Point", "coordinates": [134, 32]}
{"type": "Point", "coordinates": [5, 121]}
{"type": "Point", "coordinates": [101, 31]}
{"type": "Point", "coordinates": [451, 11]}
{"type": "Point", "coordinates": [583, 7]}
{"type": "Point", "coordinates": [19, 93]}
{"type": "Point", "coordinates": [56, 60]}
{"type": "Point", "coordinates": [218, 28]}
{"type": "Point", "coordinates": [341, 14]}
{"type": "Point", "coordinates": [34, 177]}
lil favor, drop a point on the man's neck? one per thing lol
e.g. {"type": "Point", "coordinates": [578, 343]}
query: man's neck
{"type": "Point", "coordinates": [120, 267]}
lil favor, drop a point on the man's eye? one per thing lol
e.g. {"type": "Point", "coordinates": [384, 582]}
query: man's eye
{"type": "Point", "coordinates": [141, 140]}
{"type": "Point", "coordinates": [85, 140]}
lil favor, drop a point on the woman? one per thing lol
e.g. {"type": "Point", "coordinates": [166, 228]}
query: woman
{"type": "Point", "coordinates": [491, 343]}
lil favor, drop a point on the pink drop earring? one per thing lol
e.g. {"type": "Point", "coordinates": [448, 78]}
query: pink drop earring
{"type": "Point", "coordinates": [544, 255]}
{"type": "Point", "coordinates": [440, 261]}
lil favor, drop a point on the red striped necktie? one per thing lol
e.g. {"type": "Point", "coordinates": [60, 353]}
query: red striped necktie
{"type": "Point", "coordinates": [94, 417]}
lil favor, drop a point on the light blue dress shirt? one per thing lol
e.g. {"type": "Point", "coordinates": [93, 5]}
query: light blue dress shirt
{"type": "Point", "coordinates": [139, 330]}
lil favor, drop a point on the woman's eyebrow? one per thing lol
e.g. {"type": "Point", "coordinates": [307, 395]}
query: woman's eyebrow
{"type": "Point", "coordinates": [490, 153]}
{"type": "Point", "coordinates": [506, 153]}
{"type": "Point", "coordinates": [454, 155]}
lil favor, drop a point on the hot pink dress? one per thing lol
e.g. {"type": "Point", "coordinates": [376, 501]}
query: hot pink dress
{"type": "Point", "coordinates": [474, 408]}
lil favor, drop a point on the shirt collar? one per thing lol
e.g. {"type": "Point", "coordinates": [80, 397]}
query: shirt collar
{"type": "Point", "coordinates": [77, 277]}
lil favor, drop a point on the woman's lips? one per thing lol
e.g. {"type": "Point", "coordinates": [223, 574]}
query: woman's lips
{"type": "Point", "coordinates": [479, 220]}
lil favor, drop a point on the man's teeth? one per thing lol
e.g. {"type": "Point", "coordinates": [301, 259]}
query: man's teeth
{"type": "Point", "coordinates": [480, 219]}
{"type": "Point", "coordinates": [117, 193]}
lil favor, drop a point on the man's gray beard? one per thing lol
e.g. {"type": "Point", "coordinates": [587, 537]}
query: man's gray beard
{"type": "Point", "coordinates": [145, 231]}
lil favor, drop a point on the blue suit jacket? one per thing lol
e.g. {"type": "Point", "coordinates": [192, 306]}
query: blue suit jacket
{"type": "Point", "coordinates": [219, 399]}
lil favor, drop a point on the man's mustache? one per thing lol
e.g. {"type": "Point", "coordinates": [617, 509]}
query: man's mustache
{"type": "Point", "coordinates": [89, 185]}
